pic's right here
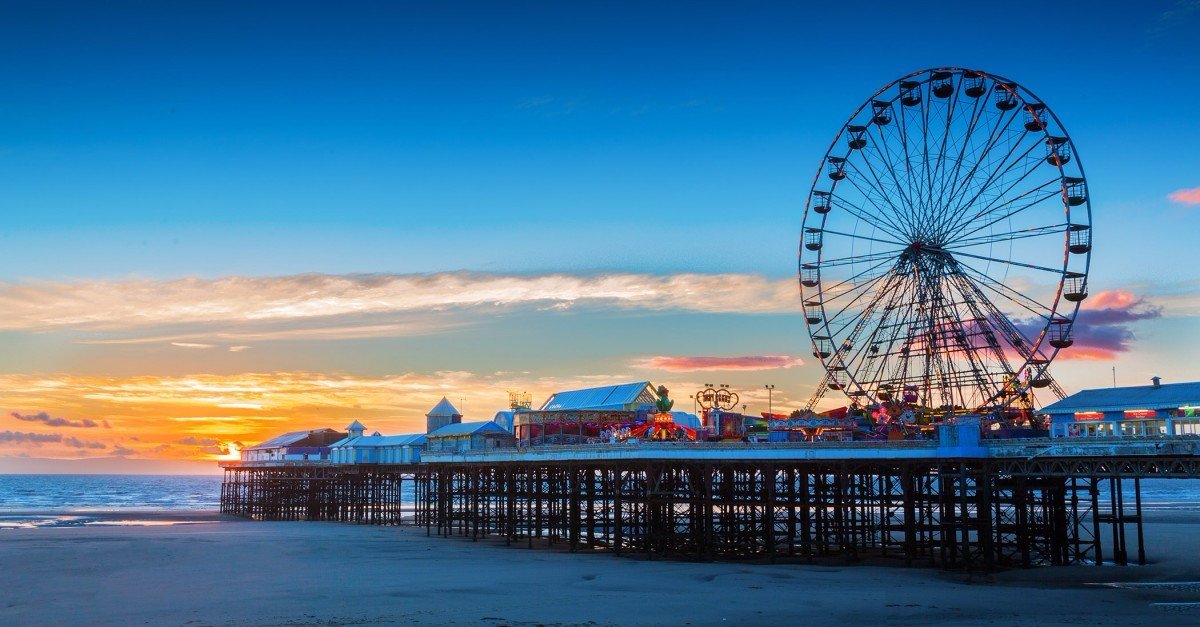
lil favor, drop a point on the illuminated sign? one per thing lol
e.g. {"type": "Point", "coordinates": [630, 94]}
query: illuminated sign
{"type": "Point", "coordinates": [1140, 413]}
{"type": "Point", "coordinates": [1089, 415]}
{"type": "Point", "coordinates": [1188, 412]}
{"type": "Point", "coordinates": [719, 398]}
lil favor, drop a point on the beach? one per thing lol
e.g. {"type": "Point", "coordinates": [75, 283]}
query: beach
{"type": "Point", "coordinates": [209, 569]}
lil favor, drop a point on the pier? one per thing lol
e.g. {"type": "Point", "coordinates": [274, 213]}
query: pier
{"type": "Point", "coordinates": [985, 505]}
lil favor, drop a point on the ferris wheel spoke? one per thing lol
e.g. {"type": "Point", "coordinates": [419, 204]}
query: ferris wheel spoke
{"type": "Point", "coordinates": [862, 237]}
{"type": "Point", "coordinates": [1018, 298]}
{"type": "Point", "coordinates": [1053, 229]}
{"type": "Point", "coordinates": [836, 288]}
{"type": "Point", "coordinates": [976, 111]}
{"type": "Point", "coordinates": [898, 290]}
{"type": "Point", "coordinates": [902, 128]}
{"type": "Point", "coordinates": [842, 261]}
{"type": "Point", "coordinates": [878, 221]}
{"type": "Point", "coordinates": [1013, 336]}
{"type": "Point", "coordinates": [961, 212]}
{"type": "Point", "coordinates": [872, 199]}
{"type": "Point", "coordinates": [994, 137]}
{"type": "Point", "coordinates": [880, 194]}
{"type": "Point", "coordinates": [962, 208]}
{"type": "Point", "coordinates": [862, 290]}
{"type": "Point", "coordinates": [880, 146]}
{"type": "Point", "coordinates": [1009, 262]}
{"type": "Point", "coordinates": [938, 173]}
{"type": "Point", "coordinates": [956, 236]}
{"type": "Point", "coordinates": [866, 310]}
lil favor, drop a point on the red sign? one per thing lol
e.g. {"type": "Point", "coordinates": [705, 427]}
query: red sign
{"type": "Point", "coordinates": [1089, 415]}
{"type": "Point", "coordinates": [1140, 413]}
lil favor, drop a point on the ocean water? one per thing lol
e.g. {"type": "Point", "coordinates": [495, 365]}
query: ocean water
{"type": "Point", "coordinates": [111, 494]}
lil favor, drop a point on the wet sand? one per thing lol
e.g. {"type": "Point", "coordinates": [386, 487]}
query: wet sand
{"type": "Point", "coordinates": [234, 572]}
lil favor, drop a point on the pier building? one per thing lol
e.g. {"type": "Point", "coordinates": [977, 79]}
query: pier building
{"type": "Point", "coordinates": [468, 436]}
{"type": "Point", "coordinates": [312, 445]}
{"type": "Point", "coordinates": [358, 448]}
{"type": "Point", "coordinates": [1158, 409]}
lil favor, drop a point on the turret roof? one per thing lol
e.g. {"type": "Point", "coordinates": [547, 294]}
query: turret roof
{"type": "Point", "coordinates": [443, 408]}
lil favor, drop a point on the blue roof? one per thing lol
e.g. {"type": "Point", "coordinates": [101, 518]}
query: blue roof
{"type": "Point", "coordinates": [466, 428]}
{"type": "Point", "coordinates": [505, 419]}
{"type": "Point", "coordinates": [609, 397]}
{"type": "Point", "coordinates": [1165, 396]}
{"type": "Point", "coordinates": [410, 439]}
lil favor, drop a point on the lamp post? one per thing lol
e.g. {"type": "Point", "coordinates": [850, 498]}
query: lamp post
{"type": "Point", "coordinates": [770, 389]}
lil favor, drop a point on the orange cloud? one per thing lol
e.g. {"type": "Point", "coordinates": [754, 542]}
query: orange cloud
{"type": "Point", "coordinates": [1186, 196]}
{"type": "Point", "coordinates": [702, 364]}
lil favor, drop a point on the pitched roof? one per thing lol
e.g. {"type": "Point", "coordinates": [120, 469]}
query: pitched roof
{"type": "Point", "coordinates": [355, 425]}
{"type": "Point", "coordinates": [467, 428]}
{"type": "Point", "coordinates": [318, 437]}
{"type": "Point", "coordinates": [443, 408]}
{"type": "Point", "coordinates": [605, 397]}
{"type": "Point", "coordinates": [1165, 396]}
{"type": "Point", "coordinates": [363, 441]}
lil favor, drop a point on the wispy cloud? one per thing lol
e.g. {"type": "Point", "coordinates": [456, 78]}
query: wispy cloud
{"type": "Point", "coordinates": [1189, 196]}
{"type": "Point", "coordinates": [200, 313]}
{"type": "Point", "coordinates": [1179, 14]}
{"type": "Point", "coordinates": [703, 364]}
{"type": "Point", "coordinates": [535, 102]}
{"type": "Point", "coordinates": [55, 421]}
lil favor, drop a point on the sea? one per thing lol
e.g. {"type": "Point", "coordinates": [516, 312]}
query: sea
{"type": "Point", "coordinates": [78, 500]}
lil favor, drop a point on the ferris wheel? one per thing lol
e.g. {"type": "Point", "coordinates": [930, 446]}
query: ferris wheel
{"type": "Point", "coordinates": [946, 243]}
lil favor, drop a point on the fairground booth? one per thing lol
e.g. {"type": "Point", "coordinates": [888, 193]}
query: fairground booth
{"type": "Point", "coordinates": [1159, 409]}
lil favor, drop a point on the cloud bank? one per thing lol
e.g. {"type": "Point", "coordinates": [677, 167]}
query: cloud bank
{"type": "Point", "coordinates": [318, 306]}
{"type": "Point", "coordinates": [38, 439]}
{"type": "Point", "coordinates": [1102, 328]}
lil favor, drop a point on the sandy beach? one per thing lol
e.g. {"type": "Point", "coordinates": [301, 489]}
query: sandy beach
{"type": "Point", "coordinates": [224, 571]}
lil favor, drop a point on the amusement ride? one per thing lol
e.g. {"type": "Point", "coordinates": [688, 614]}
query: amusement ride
{"type": "Point", "coordinates": [945, 248]}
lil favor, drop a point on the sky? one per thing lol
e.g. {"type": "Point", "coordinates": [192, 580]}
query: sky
{"type": "Point", "coordinates": [225, 220]}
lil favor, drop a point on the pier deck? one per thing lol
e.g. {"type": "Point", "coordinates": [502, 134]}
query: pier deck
{"type": "Point", "coordinates": [1000, 503]}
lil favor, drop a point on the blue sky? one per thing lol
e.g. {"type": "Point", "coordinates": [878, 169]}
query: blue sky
{"type": "Point", "coordinates": [146, 141]}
